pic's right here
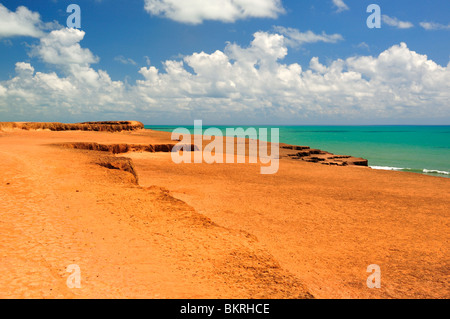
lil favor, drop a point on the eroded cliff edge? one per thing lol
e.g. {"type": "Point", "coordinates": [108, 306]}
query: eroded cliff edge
{"type": "Point", "coordinates": [293, 152]}
{"type": "Point", "coordinates": [105, 126]}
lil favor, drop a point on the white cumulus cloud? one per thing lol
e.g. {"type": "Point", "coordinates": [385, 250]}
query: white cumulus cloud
{"type": "Point", "coordinates": [2, 91]}
{"type": "Point", "coordinates": [22, 22]}
{"type": "Point", "coordinates": [62, 47]}
{"type": "Point", "coordinates": [434, 26]}
{"type": "Point", "coordinates": [82, 91]}
{"type": "Point", "coordinates": [125, 60]}
{"type": "Point", "coordinates": [340, 5]}
{"type": "Point", "coordinates": [197, 11]}
{"type": "Point", "coordinates": [394, 22]}
{"type": "Point", "coordinates": [238, 82]}
{"type": "Point", "coordinates": [294, 37]}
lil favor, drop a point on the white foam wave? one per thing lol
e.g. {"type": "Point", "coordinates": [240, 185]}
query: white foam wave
{"type": "Point", "coordinates": [425, 171]}
{"type": "Point", "coordinates": [388, 168]}
{"type": "Point", "coordinates": [433, 171]}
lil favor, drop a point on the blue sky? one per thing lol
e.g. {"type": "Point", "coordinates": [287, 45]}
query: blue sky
{"type": "Point", "coordinates": [226, 62]}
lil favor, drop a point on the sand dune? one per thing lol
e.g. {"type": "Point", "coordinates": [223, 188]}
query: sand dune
{"type": "Point", "coordinates": [140, 226]}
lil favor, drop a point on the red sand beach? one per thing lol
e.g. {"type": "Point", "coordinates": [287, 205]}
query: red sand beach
{"type": "Point", "coordinates": [140, 226]}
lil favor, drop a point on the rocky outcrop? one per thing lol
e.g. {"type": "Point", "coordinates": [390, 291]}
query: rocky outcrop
{"type": "Point", "coordinates": [307, 154]}
{"type": "Point", "coordinates": [117, 126]}
{"type": "Point", "coordinates": [293, 152]}
{"type": "Point", "coordinates": [125, 148]}
{"type": "Point", "coordinates": [119, 163]}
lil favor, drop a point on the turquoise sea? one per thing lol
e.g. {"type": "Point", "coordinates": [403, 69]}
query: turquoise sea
{"type": "Point", "coordinates": [419, 149]}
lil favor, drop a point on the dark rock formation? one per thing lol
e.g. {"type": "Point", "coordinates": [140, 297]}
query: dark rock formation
{"type": "Point", "coordinates": [307, 154]}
